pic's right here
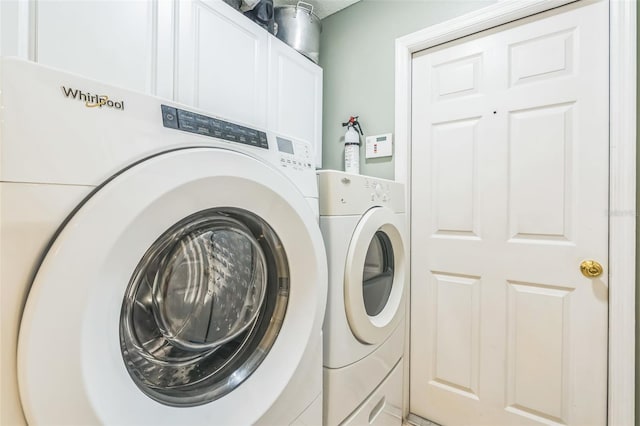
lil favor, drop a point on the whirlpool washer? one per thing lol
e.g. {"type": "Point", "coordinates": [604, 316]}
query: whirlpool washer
{"type": "Point", "coordinates": [159, 265]}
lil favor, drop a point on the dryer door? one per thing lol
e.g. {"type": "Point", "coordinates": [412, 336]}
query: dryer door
{"type": "Point", "coordinates": [375, 275]}
{"type": "Point", "coordinates": [186, 286]}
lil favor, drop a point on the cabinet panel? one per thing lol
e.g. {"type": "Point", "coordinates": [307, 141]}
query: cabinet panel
{"type": "Point", "coordinates": [114, 42]}
{"type": "Point", "coordinates": [222, 66]}
{"type": "Point", "coordinates": [15, 17]}
{"type": "Point", "coordinates": [295, 96]}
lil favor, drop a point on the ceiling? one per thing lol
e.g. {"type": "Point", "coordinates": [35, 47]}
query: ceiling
{"type": "Point", "coordinates": [322, 8]}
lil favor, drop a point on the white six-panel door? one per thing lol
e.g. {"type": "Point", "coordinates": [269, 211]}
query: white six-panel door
{"type": "Point", "coordinates": [509, 196]}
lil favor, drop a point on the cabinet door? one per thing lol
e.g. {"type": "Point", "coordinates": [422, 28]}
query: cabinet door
{"type": "Point", "coordinates": [114, 42]}
{"type": "Point", "coordinates": [14, 28]}
{"type": "Point", "coordinates": [295, 96]}
{"type": "Point", "coordinates": [222, 62]}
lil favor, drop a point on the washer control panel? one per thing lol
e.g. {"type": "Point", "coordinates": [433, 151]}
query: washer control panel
{"type": "Point", "coordinates": [294, 154]}
{"type": "Point", "coordinates": [191, 122]}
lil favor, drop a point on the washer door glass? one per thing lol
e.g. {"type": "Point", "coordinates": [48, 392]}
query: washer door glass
{"type": "Point", "coordinates": [377, 277]}
{"type": "Point", "coordinates": [203, 298]}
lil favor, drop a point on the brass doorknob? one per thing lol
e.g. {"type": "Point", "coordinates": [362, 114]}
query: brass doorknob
{"type": "Point", "coordinates": [591, 268]}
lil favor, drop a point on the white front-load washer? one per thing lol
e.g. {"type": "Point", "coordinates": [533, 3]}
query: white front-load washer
{"type": "Point", "coordinates": [157, 265]}
{"type": "Point", "coordinates": [363, 223]}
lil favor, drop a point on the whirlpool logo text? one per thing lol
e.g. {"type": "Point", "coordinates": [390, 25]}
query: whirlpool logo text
{"type": "Point", "coordinates": [92, 100]}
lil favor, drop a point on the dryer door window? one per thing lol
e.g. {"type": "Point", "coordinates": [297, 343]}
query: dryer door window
{"type": "Point", "coordinates": [374, 278]}
{"type": "Point", "coordinates": [377, 276]}
{"type": "Point", "coordinates": [204, 296]}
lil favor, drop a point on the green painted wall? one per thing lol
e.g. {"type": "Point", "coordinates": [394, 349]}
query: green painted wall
{"type": "Point", "coordinates": [357, 53]}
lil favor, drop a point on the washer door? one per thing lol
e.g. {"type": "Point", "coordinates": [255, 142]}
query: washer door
{"type": "Point", "coordinates": [186, 286]}
{"type": "Point", "coordinates": [374, 282]}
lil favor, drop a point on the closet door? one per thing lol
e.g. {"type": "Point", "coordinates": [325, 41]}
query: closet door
{"type": "Point", "coordinates": [509, 204]}
{"type": "Point", "coordinates": [222, 62]}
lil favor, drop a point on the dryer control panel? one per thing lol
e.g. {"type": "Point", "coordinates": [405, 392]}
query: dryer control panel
{"type": "Point", "coordinates": [380, 189]}
{"type": "Point", "coordinates": [346, 194]}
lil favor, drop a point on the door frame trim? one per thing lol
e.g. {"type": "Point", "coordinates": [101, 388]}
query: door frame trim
{"type": "Point", "coordinates": [622, 166]}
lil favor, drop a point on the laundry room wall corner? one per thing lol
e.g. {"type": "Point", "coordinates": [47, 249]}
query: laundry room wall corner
{"type": "Point", "coordinates": [357, 54]}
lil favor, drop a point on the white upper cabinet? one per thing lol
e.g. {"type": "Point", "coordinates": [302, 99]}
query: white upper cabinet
{"type": "Point", "coordinates": [14, 15]}
{"type": "Point", "coordinates": [114, 42]}
{"type": "Point", "coordinates": [295, 96]}
{"type": "Point", "coordinates": [222, 62]}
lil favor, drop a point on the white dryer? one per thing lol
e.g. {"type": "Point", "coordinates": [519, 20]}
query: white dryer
{"type": "Point", "coordinates": [158, 265]}
{"type": "Point", "coordinates": [364, 227]}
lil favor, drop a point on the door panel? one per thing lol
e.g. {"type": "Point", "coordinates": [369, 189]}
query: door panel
{"type": "Point", "coordinates": [536, 318]}
{"type": "Point", "coordinates": [222, 66]}
{"type": "Point", "coordinates": [542, 58]}
{"type": "Point", "coordinates": [456, 319]}
{"type": "Point", "coordinates": [540, 139]}
{"type": "Point", "coordinates": [114, 42]}
{"type": "Point", "coordinates": [455, 187]}
{"type": "Point", "coordinates": [509, 195]}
